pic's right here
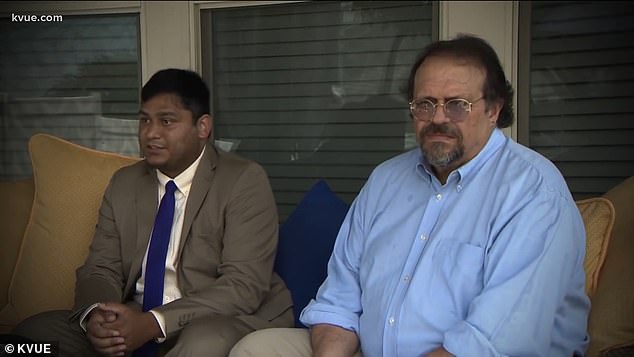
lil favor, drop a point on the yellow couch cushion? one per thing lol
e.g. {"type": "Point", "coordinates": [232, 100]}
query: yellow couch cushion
{"type": "Point", "coordinates": [598, 219]}
{"type": "Point", "coordinates": [69, 184]}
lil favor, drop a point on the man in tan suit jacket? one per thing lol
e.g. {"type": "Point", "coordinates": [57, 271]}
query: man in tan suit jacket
{"type": "Point", "coordinates": [219, 281]}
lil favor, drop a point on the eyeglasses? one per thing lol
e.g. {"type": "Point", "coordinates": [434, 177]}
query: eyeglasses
{"type": "Point", "coordinates": [456, 109]}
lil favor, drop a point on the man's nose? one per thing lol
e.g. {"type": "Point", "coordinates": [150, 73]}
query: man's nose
{"type": "Point", "coordinates": [439, 116]}
{"type": "Point", "coordinates": [153, 129]}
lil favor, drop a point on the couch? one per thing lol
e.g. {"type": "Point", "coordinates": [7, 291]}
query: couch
{"type": "Point", "coordinates": [47, 222]}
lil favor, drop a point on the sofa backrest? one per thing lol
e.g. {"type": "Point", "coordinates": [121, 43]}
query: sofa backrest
{"type": "Point", "coordinates": [69, 182]}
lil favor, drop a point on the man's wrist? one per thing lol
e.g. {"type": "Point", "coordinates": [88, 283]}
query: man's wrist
{"type": "Point", "coordinates": [157, 325]}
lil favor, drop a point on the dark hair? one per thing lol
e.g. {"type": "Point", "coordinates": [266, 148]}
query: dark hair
{"type": "Point", "coordinates": [496, 87]}
{"type": "Point", "coordinates": [186, 84]}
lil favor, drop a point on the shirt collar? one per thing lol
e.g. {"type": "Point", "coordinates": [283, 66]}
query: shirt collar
{"type": "Point", "coordinates": [184, 180]}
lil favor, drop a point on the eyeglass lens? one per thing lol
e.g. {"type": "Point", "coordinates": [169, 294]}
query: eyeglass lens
{"type": "Point", "coordinates": [455, 109]}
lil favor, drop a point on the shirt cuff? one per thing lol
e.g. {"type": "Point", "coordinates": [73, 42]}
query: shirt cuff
{"type": "Point", "coordinates": [82, 318]}
{"type": "Point", "coordinates": [316, 313]}
{"type": "Point", "coordinates": [161, 322]}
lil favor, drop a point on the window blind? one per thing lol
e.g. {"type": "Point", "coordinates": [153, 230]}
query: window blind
{"type": "Point", "coordinates": [582, 91]}
{"type": "Point", "coordinates": [78, 79]}
{"type": "Point", "coordinates": [315, 90]}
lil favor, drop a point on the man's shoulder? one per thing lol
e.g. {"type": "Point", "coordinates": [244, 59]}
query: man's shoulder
{"type": "Point", "coordinates": [532, 159]}
{"type": "Point", "coordinates": [406, 160]}
{"type": "Point", "coordinates": [228, 162]}
{"type": "Point", "coordinates": [132, 171]}
{"type": "Point", "coordinates": [232, 157]}
{"type": "Point", "coordinates": [533, 167]}
{"type": "Point", "coordinates": [231, 169]}
{"type": "Point", "coordinates": [395, 171]}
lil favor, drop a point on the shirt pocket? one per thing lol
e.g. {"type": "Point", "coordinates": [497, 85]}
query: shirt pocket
{"type": "Point", "coordinates": [457, 275]}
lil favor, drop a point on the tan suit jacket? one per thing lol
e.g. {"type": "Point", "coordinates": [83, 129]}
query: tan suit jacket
{"type": "Point", "coordinates": [228, 244]}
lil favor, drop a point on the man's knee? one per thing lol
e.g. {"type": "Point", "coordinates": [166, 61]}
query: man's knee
{"type": "Point", "coordinates": [55, 326]}
{"type": "Point", "coordinates": [274, 342]}
{"type": "Point", "coordinates": [46, 326]}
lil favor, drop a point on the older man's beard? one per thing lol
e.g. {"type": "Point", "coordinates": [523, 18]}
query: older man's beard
{"type": "Point", "coordinates": [437, 154]}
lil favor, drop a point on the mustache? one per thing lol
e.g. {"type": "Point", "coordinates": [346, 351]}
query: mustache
{"type": "Point", "coordinates": [439, 129]}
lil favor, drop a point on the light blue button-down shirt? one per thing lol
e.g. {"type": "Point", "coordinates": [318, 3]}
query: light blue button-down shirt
{"type": "Point", "coordinates": [489, 264]}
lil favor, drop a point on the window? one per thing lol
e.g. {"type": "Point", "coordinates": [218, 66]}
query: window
{"type": "Point", "coordinates": [78, 79]}
{"type": "Point", "coordinates": [314, 90]}
{"type": "Point", "coordinates": [581, 96]}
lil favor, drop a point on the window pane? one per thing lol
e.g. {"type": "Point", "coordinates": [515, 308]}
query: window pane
{"type": "Point", "coordinates": [582, 91]}
{"type": "Point", "coordinates": [77, 79]}
{"type": "Point", "coordinates": [315, 90]}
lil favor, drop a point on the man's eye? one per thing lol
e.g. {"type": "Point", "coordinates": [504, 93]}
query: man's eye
{"type": "Point", "coordinates": [457, 105]}
{"type": "Point", "coordinates": [423, 106]}
{"type": "Point", "coordinates": [426, 106]}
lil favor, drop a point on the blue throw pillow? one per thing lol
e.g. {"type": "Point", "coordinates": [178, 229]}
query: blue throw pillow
{"type": "Point", "coordinates": [306, 241]}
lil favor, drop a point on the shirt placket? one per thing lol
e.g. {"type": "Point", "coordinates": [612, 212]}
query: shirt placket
{"type": "Point", "coordinates": [431, 215]}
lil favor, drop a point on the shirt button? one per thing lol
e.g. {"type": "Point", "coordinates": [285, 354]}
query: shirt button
{"type": "Point", "coordinates": [459, 187]}
{"type": "Point", "coordinates": [438, 197]}
{"type": "Point", "coordinates": [406, 278]}
{"type": "Point", "coordinates": [391, 321]}
{"type": "Point", "coordinates": [423, 237]}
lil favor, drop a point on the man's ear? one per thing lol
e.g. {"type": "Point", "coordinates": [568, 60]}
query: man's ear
{"type": "Point", "coordinates": [493, 112]}
{"type": "Point", "coordinates": [204, 125]}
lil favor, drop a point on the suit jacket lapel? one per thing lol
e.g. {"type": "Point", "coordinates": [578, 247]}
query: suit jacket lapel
{"type": "Point", "coordinates": [198, 191]}
{"type": "Point", "coordinates": [146, 207]}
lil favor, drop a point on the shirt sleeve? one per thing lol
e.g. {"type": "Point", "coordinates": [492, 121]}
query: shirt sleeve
{"type": "Point", "coordinates": [338, 300]}
{"type": "Point", "coordinates": [533, 286]}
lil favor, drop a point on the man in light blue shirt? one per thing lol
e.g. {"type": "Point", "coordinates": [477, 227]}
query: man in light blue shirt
{"type": "Point", "coordinates": [470, 245]}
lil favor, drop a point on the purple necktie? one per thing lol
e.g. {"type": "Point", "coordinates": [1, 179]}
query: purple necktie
{"type": "Point", "coordinates": [155, 264]}
{"type": "Point", "coordinates": [157, 252]}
